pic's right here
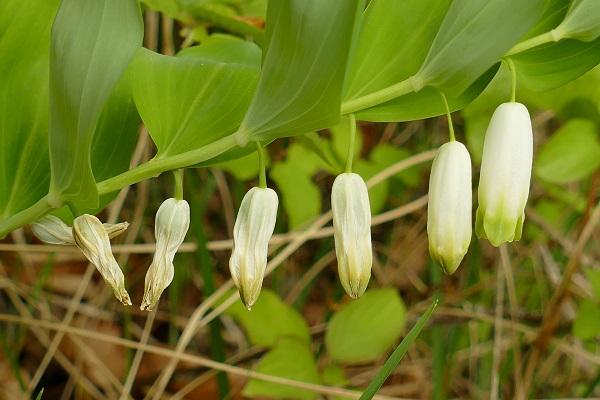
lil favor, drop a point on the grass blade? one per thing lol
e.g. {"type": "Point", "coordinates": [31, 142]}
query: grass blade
{"type": "Point", "coordinates": [394, 359]}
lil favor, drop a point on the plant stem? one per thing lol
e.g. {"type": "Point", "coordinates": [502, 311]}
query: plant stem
{"type": "Point", "coordinates": [156, 166]}
{"type": "Point", "coordinates": [449, 116]}
{"type": "Point", "coordinates": [412, 84]}
{"type": "Point", "coordinates": [352, 131]}
{"type": "Point", "coordinates": [32, 213]}
{"type": "Point", "coordinates": [178, 177]}
{"type": "Point", "coordinates": [262, 173]}
{"type": "Point", "coordinates": [513, 72]}
{"type": "Point", "coordinates": [535, 41]}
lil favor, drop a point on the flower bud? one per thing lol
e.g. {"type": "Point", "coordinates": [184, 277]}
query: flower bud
{"type": "Point", "coordinates": [91, 237]}
{"type": "Point", "coordinates": [505, 175]}
{"type": "Point", "coordinates": [171, 225]}
{"type": "Point", "coordinates": [53, 230]}
{"type": "Point", "coordinates": [450, 205]}
{"type": "Point", "coordinates": [352, 232]}
{"type": "Point", "coordinates": [252, 231]}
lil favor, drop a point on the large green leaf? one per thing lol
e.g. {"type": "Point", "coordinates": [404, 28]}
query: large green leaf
{"type": "Point", "coordinates": [198, 96]}
{"type": "Point", "coordinates": [290, 358]}
{"type": "Point", "coordinates": [262, 327]}
{"type": "Point", "coordinates": [474, 35]}
{"type": "Point", "coordinates": [582, 21]}
{"type": "Point", "coordinates": [572, 153]}
{"type": "Point", "coordinates": [92, 44]}
{"type": "Point", "coordinates": [554, 64]}
{"type": "Point", "coordinates": [364, 329]}
{"type": "Point", "coordinates": [393, 43]}
{"type": "Point", "coordinates": [24, 55]}
{"type": "Point", "coordinates": [303, 68]}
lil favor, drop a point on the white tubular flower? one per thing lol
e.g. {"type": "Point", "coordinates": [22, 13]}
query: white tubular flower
{"type": "Point", "coordinates": [252, 231]}
{"type": "Point", "coordinates": [505, 174]}
{"type": "Point", "coordinates": [171, 225]}
{"type": "Point", "coordinates": [450, 204]}
{"type": "Point", "coordinates": [91, 237]}
{"type": "Point", "coordinates": [53, 230]}
{"type": "Point", "coordinates": [352, 232]}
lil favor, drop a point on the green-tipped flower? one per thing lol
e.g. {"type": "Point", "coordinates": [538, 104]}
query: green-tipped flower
{"type": "Point", "coordinates": [92, 239]}
{"type": "Point", "coordinates": [450, 204]}
{"type": "Point", "coordinates": [252, 231]}
{"type": "Point", "coordinates": [53, 230]}
{"type": "Point", "coordinates": [352, 232]}
{"type": "Point", "coordinates": [171, 225]}
{"type": "Point", "coordinates": [505, 174]}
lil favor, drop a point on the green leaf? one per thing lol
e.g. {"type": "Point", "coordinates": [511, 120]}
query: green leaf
{"type": "Point", "coordinates": [392, 44]}
{"type": "Point", "coordinates": [593, 276]}
{"type": "Point", "coordinates": [392, 362]}
{"type": "Point", "coordinates": [170, 8]}
{"type": "Point", "coordinates": [24, 58]}
{"type": "Point", "coordinates": [425, 103]}
{"type": "Point", "coordinates": [572, 153]}
{"type": "Point", "coordinates": [582, 21]}
{"type": "Point", "coordinates": [554, 64]}
{"type": "Point", "coordinates": [115, 137]}
{"type": "Point", "coordinates": [290, 358]}
{"type": "Point", "coordinates": [364, 329]}
{"type": "Point", "coordinates": [269, 320]}
{"type": "Point", "coordinates": [92, 44]}
{"type": "Point", "coordinates": [471, 40]}
{"type": "Point", "coordinates": [553, 13]}
{"type": "Point", "coordinates": [587, 323]}
{"type": "Point", "coordinates": [301, 197]}
{"type": "Point", "coordinates": [303, 69]}
{"type": "Point", "coordinates": [198, 96]}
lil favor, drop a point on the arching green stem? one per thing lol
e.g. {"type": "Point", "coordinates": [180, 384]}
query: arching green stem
{"type": "Point", "coordinates": [450, 125]}
{"type": "Point", "coordinates": [352, 131]}
{"type": "Point", "coordinates": [262, 174]}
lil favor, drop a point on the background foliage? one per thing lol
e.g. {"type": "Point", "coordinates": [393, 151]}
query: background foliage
{"type": "Point", "coordinates": [209, 79]}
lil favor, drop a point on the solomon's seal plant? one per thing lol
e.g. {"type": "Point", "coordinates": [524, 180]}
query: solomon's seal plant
{"type": "Point", "coordinates": [52, 230]}
{"type": "Point", "coordinates": [449, 208]}
{"type": "Point", "coordinates": [171, 225]}
{"type": "Point", "coordinates": [253, 228]}
{"type": "Point", "coordinates": [505, 174]}
{"type": "Point", "coordinates": [352, 232]}
{"type": "Point", "coordinates": [92, 239]}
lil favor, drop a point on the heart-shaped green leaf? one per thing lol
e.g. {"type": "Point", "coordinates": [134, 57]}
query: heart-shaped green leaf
{"type": "Point", "coordinates": [198, 96]}
{"type": "Point", "coordinates": [471, 40]}
{"type": "Point", "coordinates": [24, 55]}
{"type": "Point", "coordinates": [303, 69]}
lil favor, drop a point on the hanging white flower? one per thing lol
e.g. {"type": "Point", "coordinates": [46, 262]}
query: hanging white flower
{"type": "Point", "coordinates": [91, 237]}
{"type": "Point", "coordinates": [352, 232]}
{"type": "Point", "coordinates": [53, 230]}
{"type": "Point", "coordinates": [450, 205]}
{"type": "Point", "coordinates": [171, 225]}
{"type": "Point", "coordinates": [252, 231]}
{"type": "Point", "coordinates": [505, 174]}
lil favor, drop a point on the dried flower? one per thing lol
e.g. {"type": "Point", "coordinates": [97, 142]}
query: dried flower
{"type": "Point", "coordinates": [171, 225]}
{"type": "Point", "coordinates": [52, 230]}
{"type": "Point", "coordinates": [450, 204]}
{"type": "Point", "coordinates": [505, 174]}
{"type": "Point", "coordinates": [91, 237]}
{"type": "Point", "coordinates": [253, 228]}
{"type": "Point", "coordinates": [352, 232]}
